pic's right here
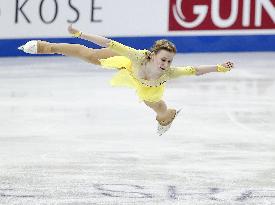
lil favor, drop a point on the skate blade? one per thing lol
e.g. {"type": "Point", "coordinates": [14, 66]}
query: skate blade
{"type": "Point", "coordinates": [21, 48]}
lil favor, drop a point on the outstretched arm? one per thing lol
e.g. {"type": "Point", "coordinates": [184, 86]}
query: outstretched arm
{"type": "Point", "coordinates": [114, 46]}
{"type": "Point", "coordinates": [99, 40]}
{"type": "Point", "coordinates": [200, 70]}
{"type": "Point", "coordinates": [203, 69]}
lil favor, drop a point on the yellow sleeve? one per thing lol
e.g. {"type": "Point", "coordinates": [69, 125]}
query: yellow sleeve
{"type": "Point", "coordinates": [131, 53]}
{"type": "Point", "coordinates": [181, 71]}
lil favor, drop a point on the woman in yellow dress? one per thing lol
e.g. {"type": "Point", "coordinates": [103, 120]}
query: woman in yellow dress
{"type": "Point", "coordinates": [146, 71]}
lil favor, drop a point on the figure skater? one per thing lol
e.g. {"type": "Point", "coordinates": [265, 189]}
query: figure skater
{"type": "Point", "coordinates": [146, 71]}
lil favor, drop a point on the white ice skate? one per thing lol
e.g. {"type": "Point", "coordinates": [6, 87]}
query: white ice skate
{"type": "Point", "coordinates": [29, 47]}
{"type": "Point", "coordinates": [162, 129]}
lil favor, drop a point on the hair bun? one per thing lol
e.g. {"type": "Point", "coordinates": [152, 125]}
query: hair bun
{"type": "Point", "coordinates": [163, 44]}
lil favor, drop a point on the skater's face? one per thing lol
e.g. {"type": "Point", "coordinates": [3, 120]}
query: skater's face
{"type": "Point", "coordinates": [163, 59]}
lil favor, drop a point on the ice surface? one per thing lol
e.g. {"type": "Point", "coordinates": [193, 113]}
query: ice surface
{"type": "Point", "coordinates": [68, 137]}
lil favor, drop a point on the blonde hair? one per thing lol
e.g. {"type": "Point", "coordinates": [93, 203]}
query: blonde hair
{"type": "Point", "coordinates": [162, 44]}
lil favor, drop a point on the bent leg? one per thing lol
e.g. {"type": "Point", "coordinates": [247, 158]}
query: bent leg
{"type": "Point", "coordinates": [75, 50]}
{"type": "Point", "coordinates": [164, 116]}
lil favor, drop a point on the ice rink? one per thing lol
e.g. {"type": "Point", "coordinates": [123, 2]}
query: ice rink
{"type": "Point", "coordinates": [68, 137]}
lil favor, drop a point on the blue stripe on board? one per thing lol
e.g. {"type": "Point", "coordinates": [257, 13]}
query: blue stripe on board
{"type": "Point", "coordinates": [185, 44]}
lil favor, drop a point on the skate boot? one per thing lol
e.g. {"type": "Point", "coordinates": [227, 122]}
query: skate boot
{"type": "Point", "coordinates": [164, 123]}
{"type": "Point", "coordinates": [29, 47]}
{"type": "Point", "coordinates": [36, 47]}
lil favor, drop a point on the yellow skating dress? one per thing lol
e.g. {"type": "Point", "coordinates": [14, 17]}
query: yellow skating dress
{"type": "Point", "coordinates": [129, 61]}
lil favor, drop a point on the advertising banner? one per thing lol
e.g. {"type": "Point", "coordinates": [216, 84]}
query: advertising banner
{"type": "Point", "coordinates": [196, 26]}
{"type": "Point", "coordinates": [216, 15]}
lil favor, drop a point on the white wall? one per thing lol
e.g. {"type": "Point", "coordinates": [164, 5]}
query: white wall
{"type": "Point", "coordinates": [129, 17]}
{"type": "Point", "coordinates": [117, 17]}
{"type": "Point", "coordinates": [216, 25]}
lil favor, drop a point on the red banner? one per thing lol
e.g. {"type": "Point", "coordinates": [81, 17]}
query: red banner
{"type": "Point", "coordinates": [221, 14]}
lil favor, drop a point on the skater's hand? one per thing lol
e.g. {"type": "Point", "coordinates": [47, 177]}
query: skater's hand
{"type": "Point", "coordinates": [72, 30]}
{"type": "Point", "coordinates": [228, 65]}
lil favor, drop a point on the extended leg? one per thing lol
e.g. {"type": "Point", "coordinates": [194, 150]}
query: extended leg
{"type": "Point", "coordinates": [75, 50]}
